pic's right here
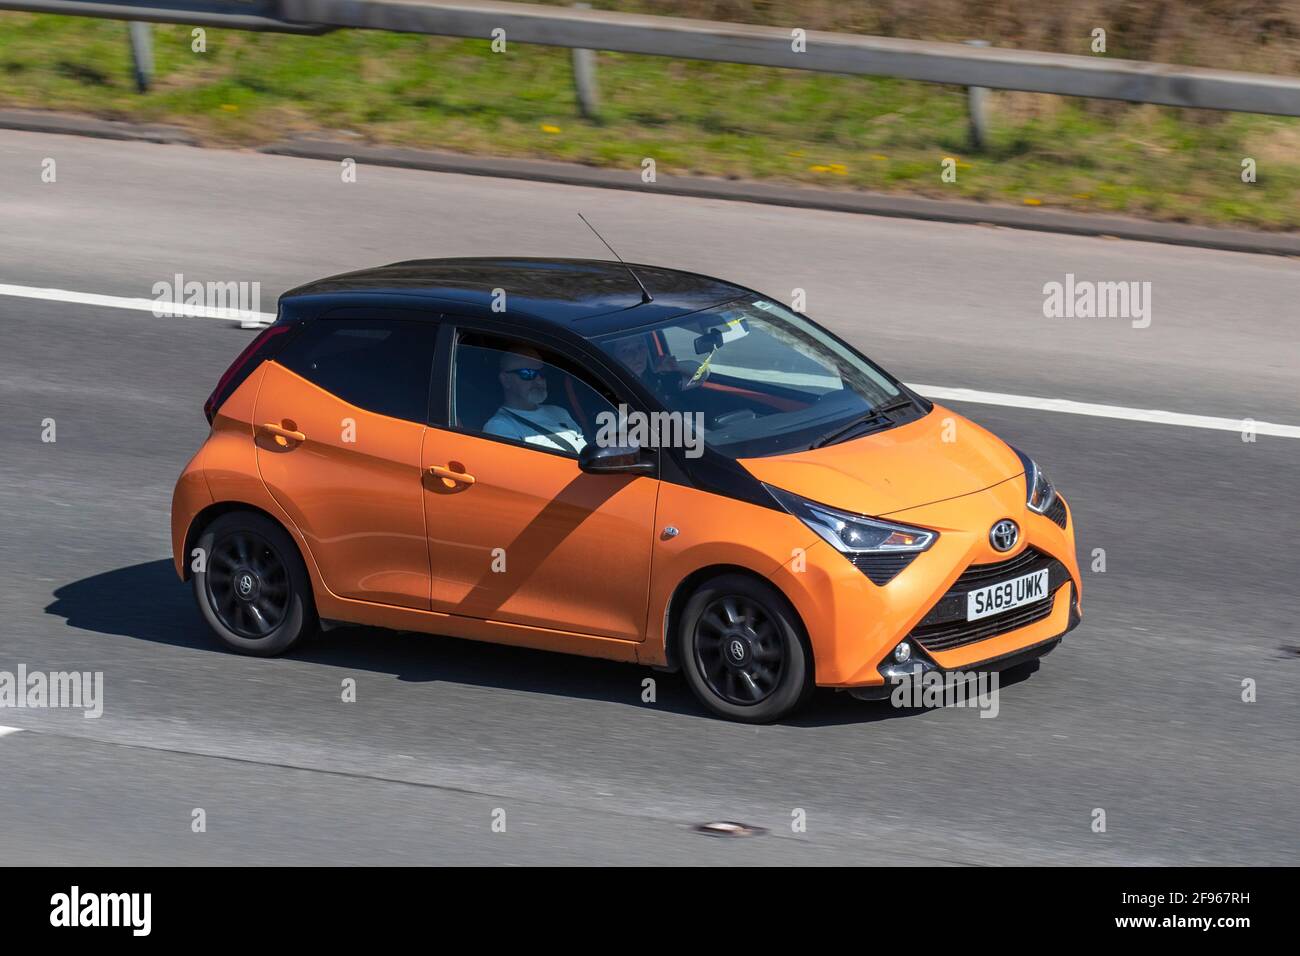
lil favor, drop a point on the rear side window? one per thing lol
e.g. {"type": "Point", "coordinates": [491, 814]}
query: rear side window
{"type": "Point", "coordinates": [379, 364]}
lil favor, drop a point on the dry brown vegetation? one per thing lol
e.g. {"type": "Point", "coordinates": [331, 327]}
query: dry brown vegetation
{"type": "Point", "coordinates": [1256, 35]}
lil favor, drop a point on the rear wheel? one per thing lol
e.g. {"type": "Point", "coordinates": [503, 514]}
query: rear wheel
{"type": "Point", "coordinates": [743, 650]}
{"type": "Point", "coordinates": [254, 590]}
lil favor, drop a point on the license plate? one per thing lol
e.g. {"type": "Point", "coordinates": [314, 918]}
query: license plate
{"type": "Point", "coordinates": [1007, 595]}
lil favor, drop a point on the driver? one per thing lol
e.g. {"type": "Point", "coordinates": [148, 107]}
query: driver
{"type": "Point", "coordinates": [522, 416]}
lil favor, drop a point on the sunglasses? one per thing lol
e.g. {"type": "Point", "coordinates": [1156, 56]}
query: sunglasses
{"type": "Point", "coordinates": [527, 374]}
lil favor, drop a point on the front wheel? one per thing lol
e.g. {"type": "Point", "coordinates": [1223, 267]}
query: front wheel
{"type": "Point", "coordinates": [254, 590]}
{"type": "Point", "coordinates": [743, 651]}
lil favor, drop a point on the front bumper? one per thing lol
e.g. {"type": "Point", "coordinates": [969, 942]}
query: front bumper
{"type": "Point", "coordinates": [921, 665]}
{"type": "Point", "coordinates": [854, 623]}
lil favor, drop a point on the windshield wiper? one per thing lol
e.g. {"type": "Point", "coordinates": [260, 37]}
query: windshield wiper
{"type": "Point", "coordinates": [896, 405]}
{"type": "Point", "coordinates": [852, 426]}
{"type": "Point", "coordinates": [875, 415]}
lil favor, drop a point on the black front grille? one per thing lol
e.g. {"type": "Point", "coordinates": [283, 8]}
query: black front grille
{"type": "Point", "coordinates": [944, 637]}
{"type": "Point", "coordinates": [882, 568]}
{"type": "Point", "coordinates": [1058, 512]}
{"type": "Point", "coordinates": [946, 627]}
{"type": "Point", "coordinates": [978, 575]}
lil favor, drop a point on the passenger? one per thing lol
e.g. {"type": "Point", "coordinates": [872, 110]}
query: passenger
{"type": "Point", "coordinates": [522, 416]}
{"type": "Point", "coordinates": [664, 378]}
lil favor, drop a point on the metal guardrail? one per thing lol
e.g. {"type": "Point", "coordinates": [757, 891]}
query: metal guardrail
{"type": "Point", "coordinates": [261, 15]}
{"type": "Point", "coordinates": [951, 63]}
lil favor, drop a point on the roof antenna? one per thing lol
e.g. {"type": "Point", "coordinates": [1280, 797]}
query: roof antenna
{"type": "Point", "coordinates": [645, 293]}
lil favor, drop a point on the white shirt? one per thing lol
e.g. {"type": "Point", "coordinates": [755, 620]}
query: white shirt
{"type": "Point", "coordinates": [545, 418]}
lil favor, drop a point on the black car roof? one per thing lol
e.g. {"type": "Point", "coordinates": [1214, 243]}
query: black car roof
{"type": "Point", "coordinates": [588, 296]}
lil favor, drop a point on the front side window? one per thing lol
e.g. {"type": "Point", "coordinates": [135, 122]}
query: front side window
{"type": "Point", "coordinates": [763, 380]}
{"type": "Point", "coordinates": [379, 364]}
{"type": "Point", "coordinates": [520, 393]}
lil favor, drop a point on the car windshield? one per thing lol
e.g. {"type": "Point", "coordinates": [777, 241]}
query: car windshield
{"type": "Point", "coordinates": [760, 379]}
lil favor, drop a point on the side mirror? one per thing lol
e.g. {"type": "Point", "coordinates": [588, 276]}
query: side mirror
{"type": "Point", "coordinates": [614, 460]}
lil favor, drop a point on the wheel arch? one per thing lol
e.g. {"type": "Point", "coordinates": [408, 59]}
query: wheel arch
{"type": "Point", "coordinates": [214, 511]}
{"type": "Point", "coordinates": [689, 584]}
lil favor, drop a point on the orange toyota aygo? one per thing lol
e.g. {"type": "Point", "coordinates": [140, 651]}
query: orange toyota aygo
{"type": "Point", "coordinates": [620, 461]}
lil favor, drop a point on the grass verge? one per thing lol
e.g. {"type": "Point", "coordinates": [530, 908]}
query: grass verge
{"type": "Point", "coordinates": [691, 117]}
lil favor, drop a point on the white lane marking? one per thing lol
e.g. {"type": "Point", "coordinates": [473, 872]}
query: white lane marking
{"type": "Point", "coordinates": [1068, 407]}
{"type": "Point", "coordinates": [6, 731]}
{"type": "Point", "coordinates": [942, 392]}
{"type": "Point", "coordinates": [246, 318]}
{"type": "Point", "coordinates": [1064, 405]}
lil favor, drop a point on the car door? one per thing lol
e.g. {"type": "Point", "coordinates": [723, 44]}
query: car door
{"type": "Point", "coordinates": [517, 532]}
{"type": "Point", "coordinates": [340, 418]}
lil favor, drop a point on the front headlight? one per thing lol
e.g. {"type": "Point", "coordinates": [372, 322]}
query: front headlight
{"type": "Point", "coordinates": [1039, 490]}
{"type": "Point", "coordinates": [854, 534]}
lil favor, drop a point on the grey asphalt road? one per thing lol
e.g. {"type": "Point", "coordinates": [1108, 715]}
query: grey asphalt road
{"type": "Point", "coordinates": [1139, 713]}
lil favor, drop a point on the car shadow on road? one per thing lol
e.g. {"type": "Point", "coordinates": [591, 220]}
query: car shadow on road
{"type": "Point", "coordinates": [146, 602]}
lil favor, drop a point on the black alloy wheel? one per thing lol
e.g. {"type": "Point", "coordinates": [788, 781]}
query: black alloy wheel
{"type": "Point", "coordinates": [252, 586]}
{"type": "Point", "coordinates": [738, 650]}
{"type": "Point", "coordinates": [247, 584]}
{"type": "Point", "coordinates": [743, 649]}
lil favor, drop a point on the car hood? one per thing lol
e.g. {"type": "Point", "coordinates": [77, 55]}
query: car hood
{"type": "Point", "coordinates": [904, 467]}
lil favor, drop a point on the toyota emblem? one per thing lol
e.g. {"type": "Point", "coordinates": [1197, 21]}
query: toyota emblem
{"type": "Point", "coordinates": [245, 585]}
{"type": "Point", "coordinates": [737, 650]}
{"type": "Point", "coordinates": [1004, 535]}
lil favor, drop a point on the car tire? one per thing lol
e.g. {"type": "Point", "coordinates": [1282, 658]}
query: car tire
{"type": "Point", "coordinates": [254, 590]}
{"type": "Point", "coordinates": [743, 650]}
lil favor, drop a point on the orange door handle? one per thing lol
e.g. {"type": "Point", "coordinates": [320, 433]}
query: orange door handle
{"type": "Point", "coordinates": [283, 432]}
{"type": "Point", "coordinates": [443, 472]}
